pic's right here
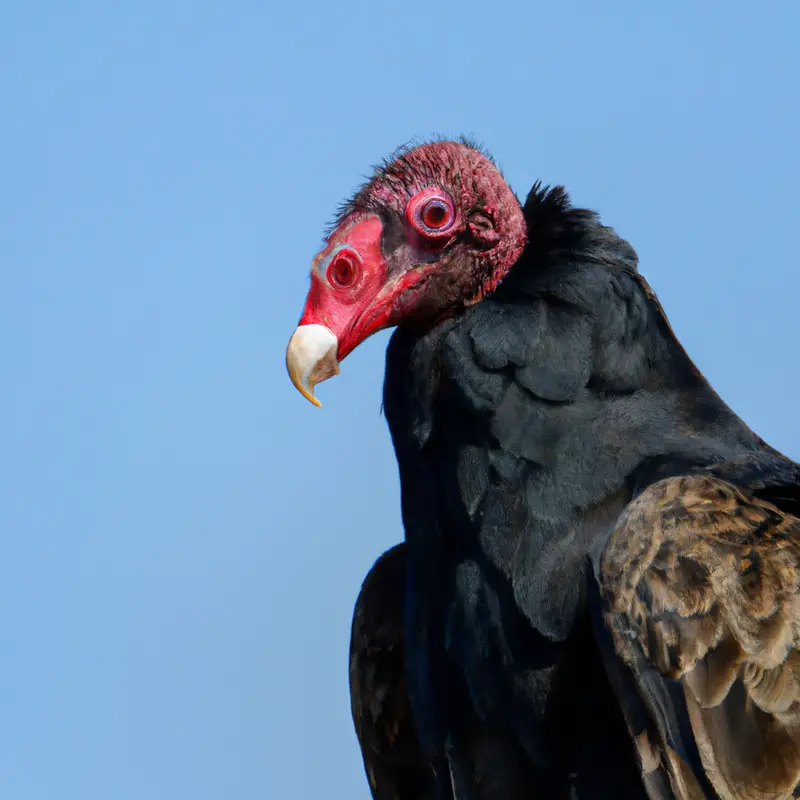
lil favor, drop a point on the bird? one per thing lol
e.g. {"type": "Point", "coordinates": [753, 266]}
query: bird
{"type": "Point", "coordinates": [598, 591]}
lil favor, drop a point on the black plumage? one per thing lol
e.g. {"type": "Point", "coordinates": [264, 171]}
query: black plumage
{"type": "Point", "coordinates": [393, 758]}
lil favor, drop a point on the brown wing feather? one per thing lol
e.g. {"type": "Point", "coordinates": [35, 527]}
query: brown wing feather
{"type": "Point", "coordinates": [700, 583]}
{"type": "Point", "coordinates": [393, 758]}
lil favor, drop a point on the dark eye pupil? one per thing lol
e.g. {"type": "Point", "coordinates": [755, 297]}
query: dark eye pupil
{"type": "Point", "coordinates": [434, 215]}
{"type": "Point", "coordinates": [342, 271]}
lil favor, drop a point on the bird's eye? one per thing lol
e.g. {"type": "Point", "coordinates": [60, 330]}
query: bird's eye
{"type": "Point", "coordinates": [344, 269]}
{"type": "Point", "coordinates": [431, 213]}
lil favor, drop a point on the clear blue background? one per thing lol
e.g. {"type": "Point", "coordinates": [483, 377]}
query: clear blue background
{"type": "Point", "coordinates": [183, 536]}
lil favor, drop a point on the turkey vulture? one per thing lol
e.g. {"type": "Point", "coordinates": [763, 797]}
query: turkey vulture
{"type": "Point", "coordinates": [597, 596]}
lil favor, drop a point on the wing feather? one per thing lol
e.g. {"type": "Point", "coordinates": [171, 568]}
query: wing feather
{"type": "Point", "coordinates": [393, 758]}
{"type": "Point", "coordinates": [700, 586]}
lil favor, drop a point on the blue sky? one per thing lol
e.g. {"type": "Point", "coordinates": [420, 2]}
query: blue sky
{"type": "Point", "coordinates": [183, 535]}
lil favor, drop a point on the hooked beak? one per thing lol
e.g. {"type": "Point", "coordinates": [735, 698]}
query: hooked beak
{"type": "Point", "coordinates": [311, 358]}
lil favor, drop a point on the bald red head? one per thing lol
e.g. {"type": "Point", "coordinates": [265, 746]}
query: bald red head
{"type": "Point", "coordinates": [432, 231]}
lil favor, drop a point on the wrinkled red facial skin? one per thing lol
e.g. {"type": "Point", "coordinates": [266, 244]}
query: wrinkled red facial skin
{"type": "Point", "coordinates": [356, 312]}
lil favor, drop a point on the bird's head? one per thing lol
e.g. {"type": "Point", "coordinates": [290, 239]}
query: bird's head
{"type": "Point", "coordinates": [434, 230]}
